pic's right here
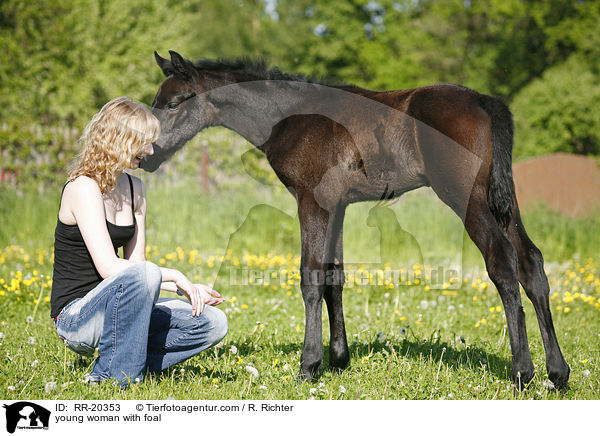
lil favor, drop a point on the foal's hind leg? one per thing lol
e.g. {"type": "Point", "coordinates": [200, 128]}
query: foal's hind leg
{"type": "Point", "coordinates": [501, 262]}
{"type": "Point", "coordinates": [535, 283]}
{"type": "Point", "coordinates": [339, 356]}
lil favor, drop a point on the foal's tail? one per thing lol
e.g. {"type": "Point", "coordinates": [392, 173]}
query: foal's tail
{"type": "Point", "coordinates": [501, 187]}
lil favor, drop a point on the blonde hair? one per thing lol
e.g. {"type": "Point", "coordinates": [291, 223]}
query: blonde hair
{"type": "Point", "coordinates": [111, 140]}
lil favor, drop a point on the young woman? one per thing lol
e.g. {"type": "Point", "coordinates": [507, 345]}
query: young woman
{"type": "Point", "coordinates": [102, 301]}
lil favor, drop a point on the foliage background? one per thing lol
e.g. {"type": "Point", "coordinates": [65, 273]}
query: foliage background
{"type": "Point", "coordinates": [61, 60]}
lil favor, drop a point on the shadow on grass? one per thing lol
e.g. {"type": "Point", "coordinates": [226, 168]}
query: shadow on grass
{"type": "Point", "coordinates": [469, 357]}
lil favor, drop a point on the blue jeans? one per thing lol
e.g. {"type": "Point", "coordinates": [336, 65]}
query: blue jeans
{"type": "Point", "coordinates": [133, 329]}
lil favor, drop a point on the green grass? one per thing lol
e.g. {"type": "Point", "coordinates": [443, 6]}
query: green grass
{"type": "Point", "coordinates": [405, 342]}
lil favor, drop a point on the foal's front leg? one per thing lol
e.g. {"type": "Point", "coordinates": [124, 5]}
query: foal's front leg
{"type": "Point", "coordinates": [339, 355]}
{"type": "Point", "coordinates": [313, 230]}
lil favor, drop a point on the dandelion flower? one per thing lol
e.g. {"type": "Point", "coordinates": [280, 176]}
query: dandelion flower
{"type": "Point", "coordinates": [424, 304]}
{"type": "Point", "coordinates": [50, 386]}
{"type": "Point", "coordinates": [29, 319]}
{"type": "Point", "coordinates": [252, 371]}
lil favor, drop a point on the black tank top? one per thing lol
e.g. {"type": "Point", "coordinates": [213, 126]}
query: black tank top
{"type": "Point", "coordinates": [74, 271]}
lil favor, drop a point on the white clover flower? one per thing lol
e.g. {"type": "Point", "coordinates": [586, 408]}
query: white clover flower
{"type": "Point", "coordinates": [548, 384]}
{"type": "Point", "coordinates": [233, 349]}
{"type": "Point", "coordinates": [312, 391]}
{"type": "Point", "coordinates": [29, 319]}
{"type": "Point", "coordinates": [2, 335]}
{"type": "Point", "coordinates": [286, 367]}
{"type": "Point", "coordinates": [252, 371]}
{"type": "Point", "coordinates": [31, 340]}
{"type": "Point", "coordinates": [35, 363]}
{"type": "Point", "coordinates": [263, 387]}
{"type": "Point", "coordinates": [586, 373]}
{"type": "Point", "coordinates": [342, 390]}
{"type": "Point", "coordinates": [451, 308]}
{"type": "Point", "coordinates": [424, 304]}
{"type": "Point", "coordinates": [50, 386]}
{"type": "Point", "coordinates": [11, 388]}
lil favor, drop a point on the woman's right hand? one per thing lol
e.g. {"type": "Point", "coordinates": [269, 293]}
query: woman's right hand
{"type": "Point", "coordinates": [192, 293]}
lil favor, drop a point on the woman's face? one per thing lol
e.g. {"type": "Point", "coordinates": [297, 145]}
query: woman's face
{"type": "Point", "coordinates": [146, 150]}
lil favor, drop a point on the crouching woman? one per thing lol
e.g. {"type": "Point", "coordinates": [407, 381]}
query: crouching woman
{"type": "Point", "coordinates": [102, 301]}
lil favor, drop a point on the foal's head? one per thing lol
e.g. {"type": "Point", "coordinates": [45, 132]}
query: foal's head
{"type": "Point", "coordinates": [181, 107]}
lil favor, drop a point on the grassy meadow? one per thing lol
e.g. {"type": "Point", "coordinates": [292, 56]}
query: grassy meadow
{"type": "Point", "coordinates": [412, 340]}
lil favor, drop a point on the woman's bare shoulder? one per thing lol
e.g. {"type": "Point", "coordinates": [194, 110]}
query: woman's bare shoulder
{"type": "Point", "coordinates": [81, 185]}
{"type": "Point", "coordinates": [138, 185]}
{"type": "Point", "coordinates": [79, 192]}
{"type": "Point", "coordinates": [137, 182]}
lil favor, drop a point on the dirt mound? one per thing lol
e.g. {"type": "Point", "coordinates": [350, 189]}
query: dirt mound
{"type": "Point", "coordinates": [566, 182]}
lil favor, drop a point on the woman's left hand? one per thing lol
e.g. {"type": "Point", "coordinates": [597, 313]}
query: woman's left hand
{"type": "Point", "coordinates": [209, 295]}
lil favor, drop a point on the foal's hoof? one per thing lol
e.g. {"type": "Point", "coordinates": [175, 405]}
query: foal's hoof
{"type": "Point", "coordinates": [337, 365]}
{"type": "Point", "coordinates": [522, 379]}
{"type": "Point", "coordinates": [560, 378]}
{"type": "Point", "coordinates": [309, 372]}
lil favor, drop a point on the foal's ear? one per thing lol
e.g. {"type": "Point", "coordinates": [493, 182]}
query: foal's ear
{"type": "Point", "coordinates": [182, 67]}
{"type": "Point", "coordinates": [165, 65]}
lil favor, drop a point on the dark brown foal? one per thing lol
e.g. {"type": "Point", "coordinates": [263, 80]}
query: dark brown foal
{"type": "Point", "coordinates": [335, 145]}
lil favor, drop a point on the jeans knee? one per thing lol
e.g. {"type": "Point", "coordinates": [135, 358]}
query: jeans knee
{"type": "Point", "coordinates": [149, 278]}
{"type": "Point", "coordinates": [153, 277]}
{"type": "Point", "coordinates": [218, 324]}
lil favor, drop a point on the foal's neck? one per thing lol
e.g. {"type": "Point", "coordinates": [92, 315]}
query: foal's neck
{"type": "Point", "coordinates": [253, 107]}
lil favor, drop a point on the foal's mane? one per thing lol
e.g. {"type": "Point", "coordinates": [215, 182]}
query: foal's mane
{"type": "Point", "coordinates": [256, 68]}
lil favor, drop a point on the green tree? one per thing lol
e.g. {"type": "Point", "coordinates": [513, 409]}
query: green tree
{"type": "Point", "coordinates": [559, 111]}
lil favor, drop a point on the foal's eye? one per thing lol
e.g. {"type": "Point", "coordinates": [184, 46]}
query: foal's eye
{"type": "Point", "coordinates": [173, 106]}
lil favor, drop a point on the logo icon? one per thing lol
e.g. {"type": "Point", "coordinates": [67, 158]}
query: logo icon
{"type": "Point", "coordinates": [26, 415]}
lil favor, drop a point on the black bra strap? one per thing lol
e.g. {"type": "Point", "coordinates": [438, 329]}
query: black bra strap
{"type": "Point", "coordinates": [60, 199]}
{"type": "Point", "coordinates": [131, 188]}
{"type": "Point", "coordinates": [63, 189]}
